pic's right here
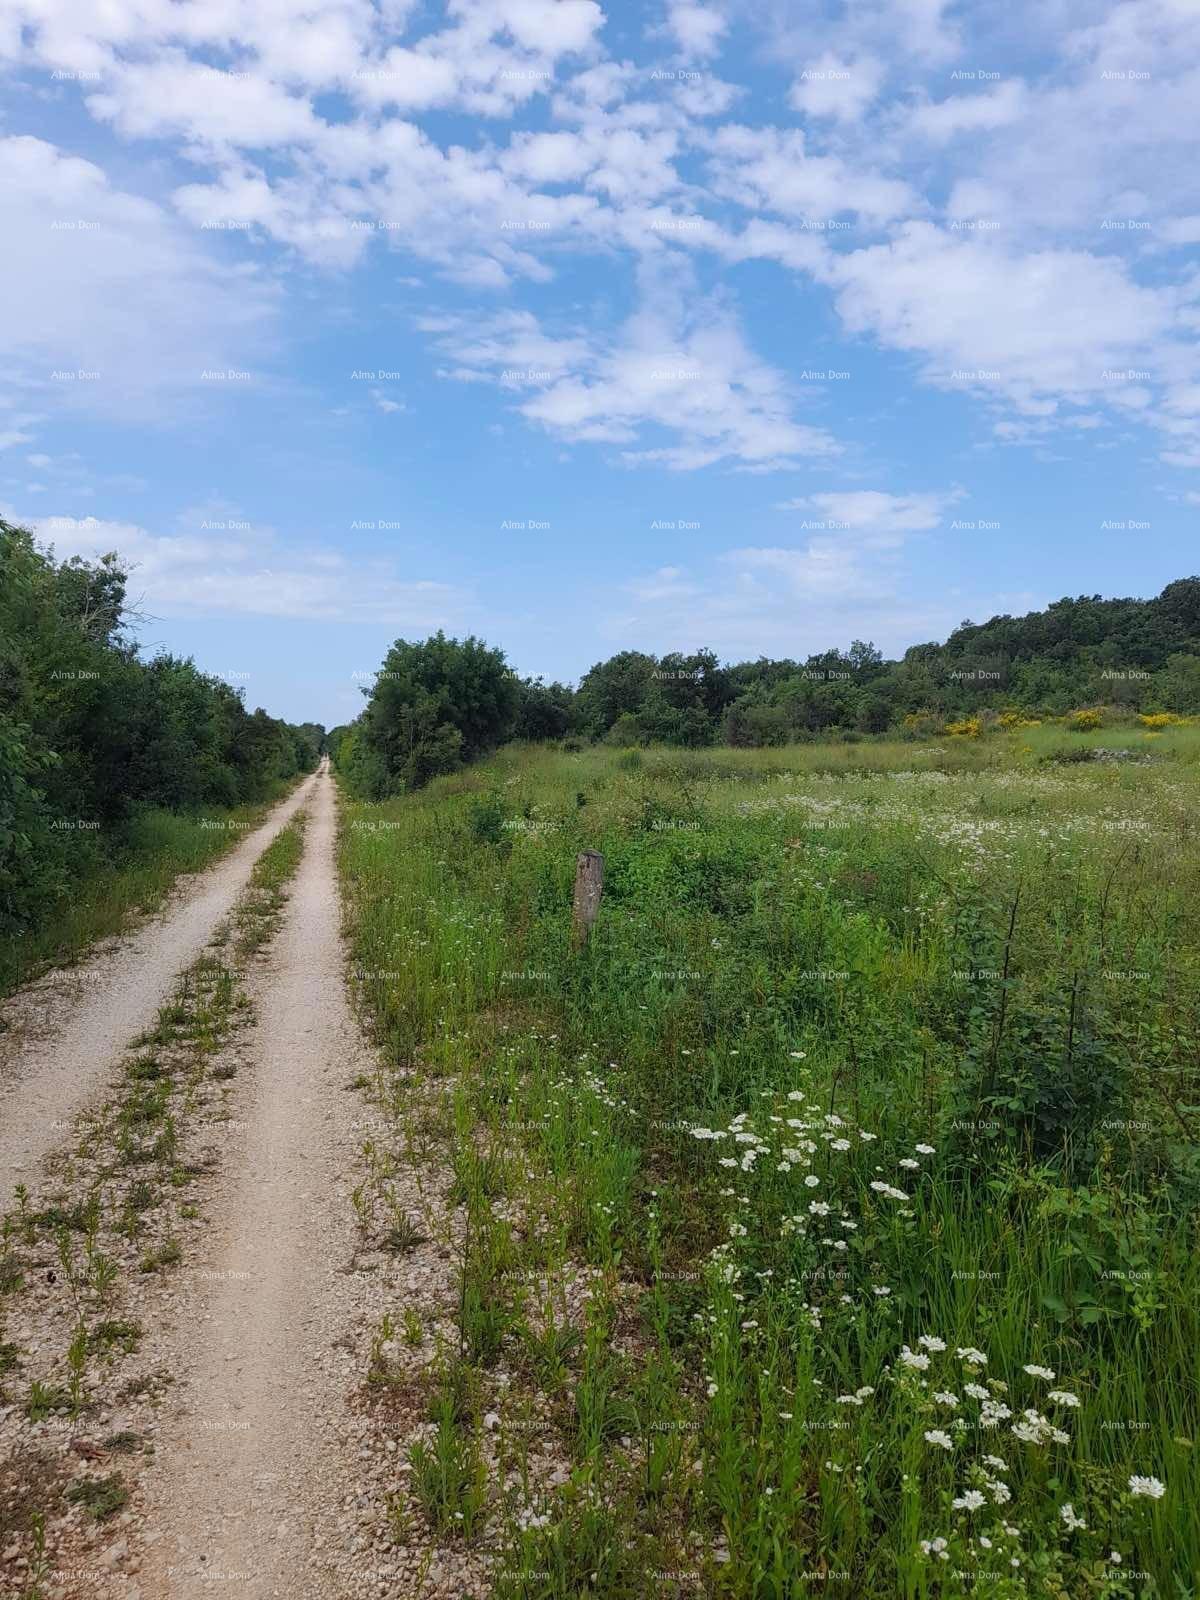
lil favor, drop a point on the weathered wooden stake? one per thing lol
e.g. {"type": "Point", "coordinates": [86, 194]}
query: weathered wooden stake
{"type": "Point", "coordinates": [589, 886]}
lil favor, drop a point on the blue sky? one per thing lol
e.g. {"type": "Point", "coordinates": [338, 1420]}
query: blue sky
{"type": "Point", "coordinates": [774, 325]}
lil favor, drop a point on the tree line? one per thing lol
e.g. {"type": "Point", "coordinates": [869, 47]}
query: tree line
{"type": "Point", "coordinates": [442, 702]}
{"type": "Point", "coordinates": [92, 735]}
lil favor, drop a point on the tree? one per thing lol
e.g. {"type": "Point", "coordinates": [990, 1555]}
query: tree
{"type": "Point", "coordinates": [611, 687]}
{"type": "Point", "coordinates": [92, 734]}
{"type": "Point", "coordinates": [1177, 686]}
{"type": "Point", "coordinates": [544, 710]}
{"type": "Point", "coordinates": [433, 706]}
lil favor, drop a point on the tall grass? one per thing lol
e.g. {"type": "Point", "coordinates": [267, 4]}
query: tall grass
{"type": "Point", "coordinates": [126, 876]}
{"type": "Point", "coordinates": [872, 1045]}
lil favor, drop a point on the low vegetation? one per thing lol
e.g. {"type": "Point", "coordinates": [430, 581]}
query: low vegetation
{"type": "Point", "coordinates": [829, 1217]}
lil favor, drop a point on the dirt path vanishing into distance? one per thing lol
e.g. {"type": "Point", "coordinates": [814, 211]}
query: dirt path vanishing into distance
{"type": "Point", "coordinates": [68, 1029]}
{"type": "Point", "coordinates": [246, 1496]}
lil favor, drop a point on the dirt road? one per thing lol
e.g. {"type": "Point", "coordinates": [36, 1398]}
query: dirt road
{"type": "Point", "coordinates": [68, 1030]}
{"type": "Point", "coordinates": [250, 1482]}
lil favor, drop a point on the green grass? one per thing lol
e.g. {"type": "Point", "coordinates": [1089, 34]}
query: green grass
{"type": "Point", "coordinates": [132, 878]}
{"type": "Point", "coordinates": [258, 912]}
{"type": "Point", "coordinates": [954, 970]}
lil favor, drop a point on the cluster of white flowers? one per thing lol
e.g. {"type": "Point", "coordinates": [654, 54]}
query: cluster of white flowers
{"type": "Point", "coordinates": [1152, 1488]}
{"type": "Point", "coordinates": [1033, 1428]}
{"type": "Point", "coordinates": [791, 1129]}
{"type": "Point", "coordinates": [972, 1500]}
{"type": "Point", "coordinates": [888, 1189]}
{"type": "Point", "coordinates": [984, 1474]}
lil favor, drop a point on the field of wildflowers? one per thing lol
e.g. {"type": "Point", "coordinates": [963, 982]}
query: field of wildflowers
{"type": "Point", "coordinates": [830, 1217]}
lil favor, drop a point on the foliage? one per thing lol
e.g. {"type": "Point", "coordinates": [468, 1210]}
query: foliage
{"type": "Point", "coordinates": [869, 1111]}
{"type": "Point", "coordinates": [442, 703]}
{"type": "Point", "coordinates": [544, 710]}
{"type": "Point", "coordinates": [94, 739]}
{"type": "Point", "coordinates": [433, 706]}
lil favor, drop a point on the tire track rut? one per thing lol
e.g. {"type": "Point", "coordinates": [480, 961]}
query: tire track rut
{"type": "Point", "coordinates": [50, 1071]}
{"type": "Point", "coordinates": [249, 1488]}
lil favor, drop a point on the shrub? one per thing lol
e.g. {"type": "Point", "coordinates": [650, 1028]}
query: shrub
{"type": "Point", "coordinates": [434, 706]}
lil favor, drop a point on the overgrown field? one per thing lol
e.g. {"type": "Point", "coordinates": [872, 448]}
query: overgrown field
{"type": "Point", "coordinates": [869, 1118]}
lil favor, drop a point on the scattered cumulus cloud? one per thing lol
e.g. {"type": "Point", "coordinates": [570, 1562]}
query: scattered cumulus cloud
{"type": "Point", "coordinates": [678, 367]}
{"type": "Point", "coordinates": [216, 564]}
{"type": "Point", "coordinates": [1024, 220]}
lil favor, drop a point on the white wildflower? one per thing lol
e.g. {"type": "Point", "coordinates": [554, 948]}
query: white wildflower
{"type": "Point", "coordinates": [911, 1358]}
{"type": "Point", "coordinates": [1150, 1487]}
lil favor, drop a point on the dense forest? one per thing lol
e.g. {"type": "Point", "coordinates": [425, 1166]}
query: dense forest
{"type": "Point", "coordinates": [93, 737]}
{"type": "Point", "coordinates": [437, 704]}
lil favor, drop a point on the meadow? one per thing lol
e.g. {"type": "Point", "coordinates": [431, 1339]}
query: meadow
{"type": "Point", "coordinates": [829, 1217]}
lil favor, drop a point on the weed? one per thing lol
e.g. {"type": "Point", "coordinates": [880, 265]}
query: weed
{"type": "Point", "coordinates": [101, 1498]}
{"type": "Point", "coordinates": [871, 1044]}
{"type": "Point", "coordinates": [168, 1254]}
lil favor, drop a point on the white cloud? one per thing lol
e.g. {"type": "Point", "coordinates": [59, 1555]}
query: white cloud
{"type": "Point", "coordinates": [1181, 230]}
{"type": "Point", "coordinates": [697, 29]}
{"type": "Point", "coordinates": [845, 578]}
{"type": "Point", "coordinates": [95, 281]}
{"type": "Point", "coordinates": [939, 121]}
{"type": "Point", "coordinates": [385, 403]}
{"type": "Point", "coordinates": [188, 98]}
{"type": "Point", "coordinates": [217, 571]}
{"type": "Point", "coordinates": [678, 366]}
{"type": "Point", "coordinates": [1036, 328]}
{"type": "Point", "coordinates": [627, 169]}
{"type": "Point", "coordinates": [780, 601]}
{"type": "Point", "coordinates": [771, 170]}
{"type": "Point", "coordinates": [549, 157]}
{"type": "Point", "coordinates": [294, 213]}
{"type": "Point", "coordinates": [873, 517]}
{"type": "Point", "coordinates": [833, 86]}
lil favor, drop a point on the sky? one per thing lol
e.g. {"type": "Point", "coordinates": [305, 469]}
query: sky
{"type": "Point", "coordinates": [756, 325]}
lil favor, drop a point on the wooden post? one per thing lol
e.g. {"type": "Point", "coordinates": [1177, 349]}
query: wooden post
{"type": "Point", "coordinates": [589, 886]}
